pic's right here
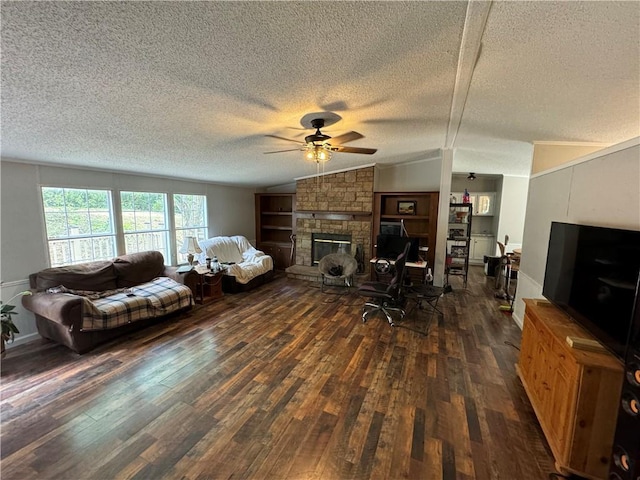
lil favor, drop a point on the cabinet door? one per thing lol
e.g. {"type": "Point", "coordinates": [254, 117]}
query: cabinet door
{"type": "Point", "coordinates": [559, 406]}
{"type": "Point", "coordinates": [280, 254]}
{"type": "Point", "coordinates": [476, 249]}
{"type": "Point", "coordinates": [527, 348]}
{"type": "Point", "coordinates": [485, 246]}
{"type": "Point", "coordinates": [268, 249]}
{"type": "Point", "coordinates": [479, 248]}
{"type": "Point", "coordinates": [540, 368]}
{"type": "Point", "coordinates": [484, 203]}
{"type": "Point", "coordinates": [282, 258]}
{"type": "Point", "coordinates": [472, 249]}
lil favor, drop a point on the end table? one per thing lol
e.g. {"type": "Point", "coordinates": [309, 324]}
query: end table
{"type": "Point", "coordinates": [209, 285]}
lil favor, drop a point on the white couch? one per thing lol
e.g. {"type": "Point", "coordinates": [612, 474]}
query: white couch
{"type": "Point", "coordinates": [246, 267]}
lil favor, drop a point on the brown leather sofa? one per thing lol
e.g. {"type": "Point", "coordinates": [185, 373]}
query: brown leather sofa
{"type": "Point", "coordinates": [59, 316]}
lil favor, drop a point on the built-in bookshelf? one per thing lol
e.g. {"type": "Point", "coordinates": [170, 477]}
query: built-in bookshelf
{"type": "Point", "coordinates": [275, 225]}
{"type": "Point", "coordinates": [415, 212]}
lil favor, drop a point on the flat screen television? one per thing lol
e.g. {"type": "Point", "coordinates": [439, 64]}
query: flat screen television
{"type": "Point", "coordinates": [390, 246]}
{"type": "Point", "coordinates": [592, 274]}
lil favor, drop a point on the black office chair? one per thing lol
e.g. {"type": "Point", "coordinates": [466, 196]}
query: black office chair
{"type": "Point", "coordinates": [383, 297]}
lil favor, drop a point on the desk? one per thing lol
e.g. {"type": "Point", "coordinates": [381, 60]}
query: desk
{"type": "Point", "coordinates": [422, 266]}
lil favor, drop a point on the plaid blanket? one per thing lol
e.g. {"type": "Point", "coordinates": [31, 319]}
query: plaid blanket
{"type": "Point", "coordinates": [158, 297]}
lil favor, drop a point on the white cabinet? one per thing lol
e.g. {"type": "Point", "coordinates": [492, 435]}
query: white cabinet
{"type": "Point", "coordinates": [480, 246]}
{"type": "Point", "coordinates": [484, 203]}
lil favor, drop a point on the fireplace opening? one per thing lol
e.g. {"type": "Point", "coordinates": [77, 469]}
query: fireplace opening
{"type": "Point", "coordinates": [325, 243]}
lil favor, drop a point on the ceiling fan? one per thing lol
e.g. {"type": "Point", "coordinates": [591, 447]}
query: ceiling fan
{"type": "Point", "coordinates": [318, 147]}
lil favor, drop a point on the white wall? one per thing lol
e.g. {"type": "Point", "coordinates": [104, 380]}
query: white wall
{"type": "Point", "coordinates": [601, 189]}
{"type": "Point", "coordinates": [443, 218]}
{"type": "Point", "coordinates": [459, 182]}
{"type": "Point", "coordinates": [23, 241]}
{"type": "Point", "coordinates": [417, 176]}
{"type": "Point", "coordinates": [513, 205]}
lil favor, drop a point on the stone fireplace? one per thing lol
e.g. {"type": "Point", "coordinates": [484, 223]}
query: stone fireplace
{"type": "Point", "coordinates": [325, 243]}
{"type": "Point", "coordinates": [336, 204]}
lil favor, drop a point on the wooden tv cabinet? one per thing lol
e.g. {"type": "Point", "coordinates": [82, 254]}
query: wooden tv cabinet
{"type": "Point", "coordinates": [574, 392]}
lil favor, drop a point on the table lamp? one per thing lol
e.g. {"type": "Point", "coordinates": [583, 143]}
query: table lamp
{"type": "Point", "coordinates": [190, 246]}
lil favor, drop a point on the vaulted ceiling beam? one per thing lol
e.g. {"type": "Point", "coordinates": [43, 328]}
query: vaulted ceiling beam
{"type": "Point", "coordinates": [470, 48]}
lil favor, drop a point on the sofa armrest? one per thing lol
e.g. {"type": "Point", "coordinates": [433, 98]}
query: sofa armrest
{"type": "Point", "coordinates": [62, 308]}
{"type": "Point", "coordinates": [190, 279]}
{"type": "Point", "coordinates": [252, 255]}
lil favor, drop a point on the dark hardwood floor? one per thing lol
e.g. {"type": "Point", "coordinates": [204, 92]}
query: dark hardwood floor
{"type": "Point", "coordinates": [280, 383]}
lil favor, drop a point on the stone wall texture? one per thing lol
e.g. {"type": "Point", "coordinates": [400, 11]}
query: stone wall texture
{"type": "Point", "coordinates": [335, 194]}
{"type": "Point", "coordinates": [350, 191]}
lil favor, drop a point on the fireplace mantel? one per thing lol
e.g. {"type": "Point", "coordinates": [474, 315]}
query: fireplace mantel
{"type": "Point", "coordinates": [331, 215]}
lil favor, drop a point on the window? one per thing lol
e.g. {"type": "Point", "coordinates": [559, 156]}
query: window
{"type": "Point", "coordinates": [79, 225]}
{"type": "Point", "coordinates": [82, 225]}
{"type": "Point", "coordinates": [190, 216]}
{"type": "Point", "coordinates": [144, 222]}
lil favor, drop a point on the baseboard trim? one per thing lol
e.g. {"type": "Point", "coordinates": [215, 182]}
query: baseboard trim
{"type": "Point", "coordinates": [22, 339]}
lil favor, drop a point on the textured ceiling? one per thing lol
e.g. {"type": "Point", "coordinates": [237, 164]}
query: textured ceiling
{"type": "Point", "coordinates": [190, 89]}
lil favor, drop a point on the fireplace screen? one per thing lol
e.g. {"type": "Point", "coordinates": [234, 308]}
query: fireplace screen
{"type": "Point", "coordinates": [325, 243]}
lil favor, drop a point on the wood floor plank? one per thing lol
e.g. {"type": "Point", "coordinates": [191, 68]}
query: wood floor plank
{"type": "Point", "coordinates": [280, 382]}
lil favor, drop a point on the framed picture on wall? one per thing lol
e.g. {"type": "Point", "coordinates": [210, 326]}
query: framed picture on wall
{"type": "Point", "coordinates": [407, 207]}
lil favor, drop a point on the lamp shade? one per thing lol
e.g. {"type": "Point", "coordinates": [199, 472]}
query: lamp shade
{"type": "Point", "coordinates": [190, 245]}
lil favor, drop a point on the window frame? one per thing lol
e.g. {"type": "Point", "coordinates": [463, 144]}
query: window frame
{"type": "Point", "coordinates": [117, 232]}
{"type": "Point", "coordinates": [166, 231]}
{"type": "Point", "coordinates": [69, 238]}
{"type": "Point", "coordinates": [201, 232]}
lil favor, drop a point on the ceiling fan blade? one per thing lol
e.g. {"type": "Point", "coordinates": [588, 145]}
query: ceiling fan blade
{"type": "Point", "coordinates": [346, 138]}
{"type": "Point", "coordinates": [280, 151]}
{"type": "Point", "coordinates": [366, 151]}
{"type": "Point", "coordinates": [283, 138]}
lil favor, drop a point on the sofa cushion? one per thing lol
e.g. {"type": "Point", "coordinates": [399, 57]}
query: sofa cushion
{"type": "Point", "coordinates": [96, 276]}
{"type": "Point", "coordinates": [147, 300]}
{"type": "Point", "coordinates": [137, 268]}
{"type": "Point", "coordinates": [244, 272]}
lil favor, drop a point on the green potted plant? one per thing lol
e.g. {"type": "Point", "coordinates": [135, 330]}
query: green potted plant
{"type": "Point", "coordinates": [9, 328]}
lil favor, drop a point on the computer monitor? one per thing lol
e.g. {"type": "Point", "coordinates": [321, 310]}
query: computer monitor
{"type": "Point", "coordinates": [391, 228]}
{"type": "Point", "coordinates": [390, 246]}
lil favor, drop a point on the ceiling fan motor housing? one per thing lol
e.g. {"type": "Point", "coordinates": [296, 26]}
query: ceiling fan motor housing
{"type": "Point", "coordinates": [317, 123]}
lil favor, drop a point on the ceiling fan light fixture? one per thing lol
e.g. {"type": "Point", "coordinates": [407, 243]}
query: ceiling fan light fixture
{"type": "Point", "coordinates": [472, 176]}
{"type": "Point", "coordinates": [317, 153]}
